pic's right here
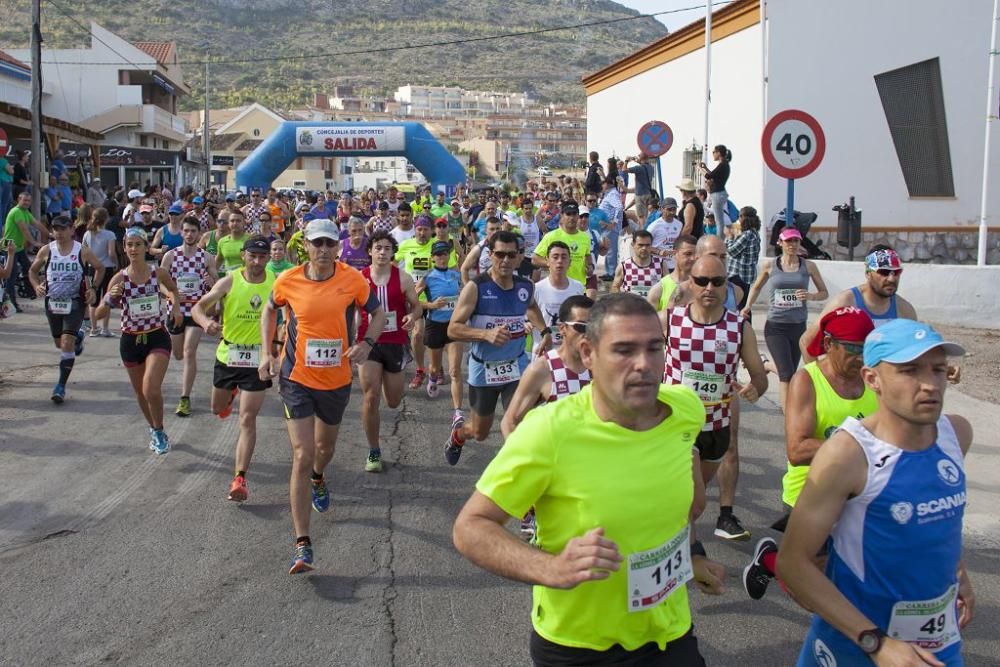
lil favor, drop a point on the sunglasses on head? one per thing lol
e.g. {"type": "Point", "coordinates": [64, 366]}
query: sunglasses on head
{"type": "Point", "coordinates": [703, 281]}
{"type": "Point", "coordinates": [504, 254]}
{"type": "Point", "coordinates": [579, 327]}
{"type": "Point", "coordinates": [320, 242]}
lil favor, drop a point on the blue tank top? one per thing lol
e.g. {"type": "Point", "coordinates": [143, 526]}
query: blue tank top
{"type": "Point", "coordinates": [171, 241]}
{"type": "Point", "coordinates": [442, 284]}
{"type": "Point", "coordinates": [895, 551]}
{"type": "Point", "coordinates": [879, 320]}
{"type": "Point", "coordinates": [496, 307]}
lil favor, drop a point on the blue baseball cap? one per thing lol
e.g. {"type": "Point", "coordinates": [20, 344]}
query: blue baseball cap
{"type": "Point", "coordinates": [230, 197]}
{"type": "Point", "coordinates": [197, 200]}
{"type": "Point", "coordinates": [175, 209]}
{"type": "Point", "coordinates": [309, 217]}
{"type": "Point", "coordinates": [901, 341]}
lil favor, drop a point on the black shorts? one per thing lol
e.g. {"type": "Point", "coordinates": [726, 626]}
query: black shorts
{"type": "Point", "coordinates": [483, 400]}
{"type": "Point", "coordinates": [436, 335]}
{"type": "Point", "coordinates": [188, 322]}
{"type": "Point", "coordinates": [681, 652]}
{"type": "Point", "coordinates": [391, 356]}
{"type": "Point", "coordinates": [69, 323]}
{"type": "Point", "coordinates": [134, 348]}
{"type": "Point", "coordinates": [713, 445]}
{"type": "Point", "coordinates": [245, 379]}
{"type": "Point", "coordinates": [302, 401]}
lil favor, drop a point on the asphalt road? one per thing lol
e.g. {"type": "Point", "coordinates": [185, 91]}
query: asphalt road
{"type": "Point", "coordinates": [110, 554]}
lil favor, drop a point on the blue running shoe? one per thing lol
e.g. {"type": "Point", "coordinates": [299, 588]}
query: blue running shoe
{"type": "Point", "coordinates": [160, 444]}
{"type": "Point", "coordinates": [321, 497]}
{"type": "Point", "coordinates": [58, 393]}
{"type": "Point", "coordinates": [453, 445]}
{"type": "Point", "coordinates": [302, 561]}
{"type": "Point", "coordinates": [79, 342]}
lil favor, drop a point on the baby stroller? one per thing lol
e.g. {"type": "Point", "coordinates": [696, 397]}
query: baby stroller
{"type": "Point", "coordinates": [802, 221]}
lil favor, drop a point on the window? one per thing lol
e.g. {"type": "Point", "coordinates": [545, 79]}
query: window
{"type": "Point", "coordinates": [142, 140]}
{"type": "Point", "coordinates": [913, 101]}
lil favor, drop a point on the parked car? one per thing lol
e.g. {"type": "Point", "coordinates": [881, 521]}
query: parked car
{"type": "Point", "coordinates": [544, 171]}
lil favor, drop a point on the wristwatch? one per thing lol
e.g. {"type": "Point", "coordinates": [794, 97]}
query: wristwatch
{"type": "Point", "coordinates": [547, 331]}
{"type": "Point", "coordinates": [369, 340]}
{"type": "Point", "coordinates": [870, 641]}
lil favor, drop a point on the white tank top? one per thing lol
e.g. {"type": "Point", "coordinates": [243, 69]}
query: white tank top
{"type": "Point", "coordinates": [64, 273]}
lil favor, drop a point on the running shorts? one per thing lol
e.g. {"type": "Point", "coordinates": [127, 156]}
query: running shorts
{"type": "Point", "coordinates": [682, 652]}
{"type": "Point", "coordinates": [188, 322]}
{"type": "Point", "coordinates": [135, 348]}
{"type": "Point", "coordinates": [69, 323]}
{"type": "Point", "coordinates": [483, 400]}
{"type": "Point", "coordinates": [436, 335]}
{"type": "Point", "coordinates": [391, 356]}
{"type": "Point", "coordinates": [245, 379]}
{"type": "Point", "coordinates": [301, 401]}
{"type": "Point", "coordinates": [713, 445]}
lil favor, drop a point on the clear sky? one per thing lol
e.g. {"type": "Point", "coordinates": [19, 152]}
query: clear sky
{"type": "Point", "coordinates": [672, 21]}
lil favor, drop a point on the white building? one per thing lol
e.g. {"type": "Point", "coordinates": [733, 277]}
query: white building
{"type": "Point", "coordinates": [430, 101]}
{"type": "Point", "coordinates": [898, 88]}
{"type": "Point", "coordinates": [128, 92]}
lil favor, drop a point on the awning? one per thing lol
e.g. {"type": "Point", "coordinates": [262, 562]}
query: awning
{"type": "Point", "coordinates": [13, 116]}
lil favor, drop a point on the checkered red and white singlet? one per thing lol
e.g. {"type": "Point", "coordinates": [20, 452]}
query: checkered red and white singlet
{"type": "Point", "coordinates": [565, 382]}
{"type": "Point", "coordinates": [132, 324]}
{"type": "Point", "coordinates": [205, 220]}
{"type": "Point", "coordinates": [643, 277]}
{"type": "Point", "coordinates": [194, 265]}
{"type": "Point", "coordinates": [710, 348]}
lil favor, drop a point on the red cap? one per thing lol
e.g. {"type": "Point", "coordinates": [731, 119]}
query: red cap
{"type": "Point", "coordinates": [848, 324]}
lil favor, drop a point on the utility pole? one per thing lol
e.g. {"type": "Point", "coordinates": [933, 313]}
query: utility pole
{"type": "Point", "coordinates": [204, 134]}
{"type": "Point", "coordinates": [991, 115]}
{"type": "Point", "coordinates": [708, 75]}
{"type": "Point", "coordinates": [37, 153]}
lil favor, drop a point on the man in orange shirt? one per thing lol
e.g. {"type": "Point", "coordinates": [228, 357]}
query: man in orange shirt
{"type": "Point", "coordinates": [314, 369]}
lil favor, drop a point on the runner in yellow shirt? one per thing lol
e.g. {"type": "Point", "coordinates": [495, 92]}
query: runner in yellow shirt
{"type": "Point", "coordinates": [608, 568]}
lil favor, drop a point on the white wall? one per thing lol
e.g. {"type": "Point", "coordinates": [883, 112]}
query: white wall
{"type": "Point", "coordinates": [674, 93]}
{"type": "Point", "coordinates": [823, 58]}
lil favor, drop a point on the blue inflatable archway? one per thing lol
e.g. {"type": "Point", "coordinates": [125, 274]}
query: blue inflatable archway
{"type": "Point", "coordinates": [331, 139]}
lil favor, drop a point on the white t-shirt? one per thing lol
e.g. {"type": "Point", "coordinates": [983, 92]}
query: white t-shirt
{"type": "Point", "coordinates": [550, 299]}
{"type": "Point", "coordinates": [402, 234]}
{"type": "Point", "coordinates": [664, 234]}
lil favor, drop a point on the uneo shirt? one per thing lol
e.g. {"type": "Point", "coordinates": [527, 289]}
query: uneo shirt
{"type": "Point", "coordinates": [579, 246]}
{"type": "Point", "coordinates": [559, 461]}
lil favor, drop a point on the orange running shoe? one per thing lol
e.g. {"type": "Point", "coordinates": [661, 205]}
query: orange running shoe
{"type": "Point", "coordinates": [238, 489]}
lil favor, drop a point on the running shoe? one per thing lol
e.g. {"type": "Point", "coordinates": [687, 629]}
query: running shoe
{"type": "Point", "coordinates": [228, 410]}
{"type": "Point", "coordinates": [432, 386]}
{"type": "Point", "coordinates": [453, 446]}
{"type": "Point", "coordinates": [439, 377]}
{"type": "Point", "coordinates": [152, 440]}
{"type": "Point", "coordinates": [58, 393]}
{"type": "Point", "coordinates": [730, 528]}
{"type": "Point", "coordinates": [418, 379]}
{"type": "Point", "coordinates": [238, 489]}
{"type": "Point", "coordinates": [184, 407]}
{"type": "Point", "coordinates": [107, 333]}
{"type": "Point", "coordinates": [374, 463]}
{"type": "Point", "coordinates": [755, 575]}
{"type": "Point", "coordinates": [321, 497]}
{"type": "Point", "coordinates": [302, 561]}
{"type": "Point", "coordinates": [78, 349]}
{"type": "Point", "coordinates": [161, 444]}
{"type": "Point", "coordinates": [95, 332]}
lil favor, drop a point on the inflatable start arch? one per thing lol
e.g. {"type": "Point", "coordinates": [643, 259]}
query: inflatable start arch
{"type": "Point", "coordinates": [332, 139]}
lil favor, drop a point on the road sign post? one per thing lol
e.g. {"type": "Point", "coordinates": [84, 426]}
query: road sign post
{"type": "Point", "coordinates": [793, 145]}
{"type": "Point", "coordinates": [654, 139]}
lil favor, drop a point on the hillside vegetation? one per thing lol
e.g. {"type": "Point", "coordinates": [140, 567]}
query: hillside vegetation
{"type": "Point", "coordinates": [548, 66]}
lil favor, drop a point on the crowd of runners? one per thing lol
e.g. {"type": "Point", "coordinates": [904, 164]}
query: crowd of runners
{"type": "Point", "coordinates": [621, 402]}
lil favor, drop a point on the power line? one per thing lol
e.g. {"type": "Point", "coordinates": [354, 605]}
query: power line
{"type": "Point", "coordinates": [404, 47]}
{"type": "Point", "coordinates": [74, 20]}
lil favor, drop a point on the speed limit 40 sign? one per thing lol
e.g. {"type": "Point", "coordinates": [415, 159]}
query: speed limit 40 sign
{"type": "Point", "coordinates": [793, 144]}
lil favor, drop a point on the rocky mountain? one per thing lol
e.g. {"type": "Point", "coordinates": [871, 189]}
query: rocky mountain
{"type": "Point", "coordinates": [298, 47]}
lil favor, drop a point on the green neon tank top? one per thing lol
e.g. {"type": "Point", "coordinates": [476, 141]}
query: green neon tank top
{"type": "Point", "coordinates": [241, 312]}
{"type": "Point", "coordinates": [669, 287]}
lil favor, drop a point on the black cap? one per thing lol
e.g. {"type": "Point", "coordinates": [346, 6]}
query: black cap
{"type": "Point", "coordinates": [61, 221]}
{"type": "Point", "coordinates": [571, 207]}
{"type": "Point", "coordinates": [256, 244]}
{"type": "Point", "coordinates": [441, 248]}
{"type": "Point", "coordinates": [383, 206]}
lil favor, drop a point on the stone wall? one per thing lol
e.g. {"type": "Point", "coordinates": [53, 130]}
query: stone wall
{"type": "Point", "coordinates": [960, 247]}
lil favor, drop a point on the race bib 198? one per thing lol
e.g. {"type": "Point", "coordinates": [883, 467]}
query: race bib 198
{"type": "Point", "coordinates": [324, 353]}
{"type": "Point", "coordinates": [243, 356]}
{"type": "Point", "coordinates": [60, 306]}
{"type": "Point", "coordinates": [710, 387]}
{"type": "Point", "coordinates": [929, 624]}
{"type": "Point", "coordinates": [502, 372]}
{"type": "Point", "coordinates": [654, 575]}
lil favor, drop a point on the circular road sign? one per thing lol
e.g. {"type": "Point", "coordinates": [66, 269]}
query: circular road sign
{"type": "Point", "coordinates": [3, 142]}
{"type": "Point", "coordinates": [793, 144]}
{"type": "Point", "coordinates": [655, 138]}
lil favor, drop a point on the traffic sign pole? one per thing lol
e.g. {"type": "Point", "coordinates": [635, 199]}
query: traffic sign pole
{"type": "Point", "coordinates": [790, 204]}
{"type": "Point", "coordinates": [793, 145]}
{"type": "Point", "coordinates": [659, 179]}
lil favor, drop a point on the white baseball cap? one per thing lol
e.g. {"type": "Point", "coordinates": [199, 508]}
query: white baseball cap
{"type": "Point", "coordinates": [320, 228]}
{"type": "Point", "coordinates": [132, 194]}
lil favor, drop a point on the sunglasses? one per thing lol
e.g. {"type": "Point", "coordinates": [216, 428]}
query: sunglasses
{"type": "Point", "coordinates": [703, 281]}
{"type": "Point", "coordinates": [319, 243]}
{"type": "Point", "coordinates": [885, 273]}
{"type": "Point", "coordinates": [854, 349]}
{"type": "Point", "coordinates": [504, 254]}
{"type": "Point", "coordinates": [579, 327]}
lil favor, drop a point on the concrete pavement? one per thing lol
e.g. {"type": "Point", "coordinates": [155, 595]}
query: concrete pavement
{"type": "Point", "coordinates": [111, 554]}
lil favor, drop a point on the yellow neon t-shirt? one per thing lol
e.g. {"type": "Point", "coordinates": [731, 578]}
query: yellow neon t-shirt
{"type": "Point", "coordinates": [582, 473]}
{"type": "Point", "coordinates": [579, 248]}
